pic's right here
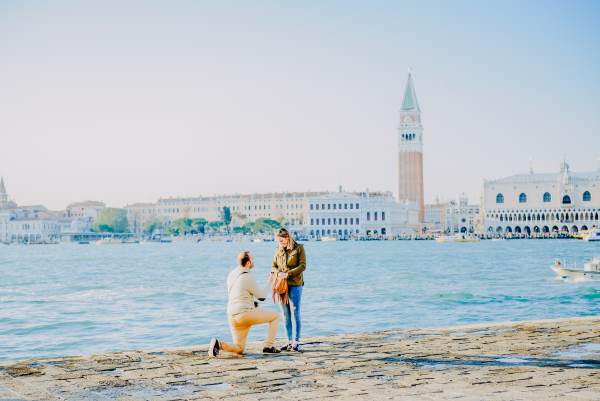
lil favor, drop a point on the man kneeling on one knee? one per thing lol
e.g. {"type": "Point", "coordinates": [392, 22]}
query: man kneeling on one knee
{"type": "Point", "coordinates": [243, 310]}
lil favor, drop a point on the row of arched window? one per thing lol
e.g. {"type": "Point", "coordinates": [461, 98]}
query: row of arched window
{"type": "Point", "coordinates": [566, 200]}
{"type": "Point", "coordinates": [547, 216]}
{"type": "Point", "coordinates": [537, 230]}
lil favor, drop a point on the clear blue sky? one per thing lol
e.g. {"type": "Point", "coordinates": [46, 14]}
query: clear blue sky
{"type": "Point", "coordinates": [129, 101]}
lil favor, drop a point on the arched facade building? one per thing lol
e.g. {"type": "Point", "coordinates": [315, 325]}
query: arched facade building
{"type": "Point", "coordinates": [563, 202]}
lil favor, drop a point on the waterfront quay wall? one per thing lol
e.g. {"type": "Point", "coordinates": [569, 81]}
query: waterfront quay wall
{"type": "Point", "coordinates": [535, 360]}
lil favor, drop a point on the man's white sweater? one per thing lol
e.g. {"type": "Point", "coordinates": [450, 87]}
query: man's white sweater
{"type": "Point", "coordinates": [243, 289]}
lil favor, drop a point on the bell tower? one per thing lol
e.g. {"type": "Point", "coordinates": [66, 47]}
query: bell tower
{"type": "Point", "coordinates": [3, 195]}
{"type": "Point", "coordinates": [410, 150]}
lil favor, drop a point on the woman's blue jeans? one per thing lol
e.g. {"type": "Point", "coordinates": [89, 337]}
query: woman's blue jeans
{"type": "Point", "coordinates": [295, 294]}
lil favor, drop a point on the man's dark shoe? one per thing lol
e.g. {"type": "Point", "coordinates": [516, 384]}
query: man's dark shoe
{"type": "Point", "coordinates": [214, 347]}
{"type": "Point", "coordinates": [297, 347]}
{"type": "Point", "coordinates": [271, 350]}
{"type": "Point", "coordinates": [287, 347]}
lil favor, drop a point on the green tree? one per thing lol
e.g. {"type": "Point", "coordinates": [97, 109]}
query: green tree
{"type": "Point", "coordinates": [215, 225]}
{"type": "Point", "coordinates": [151, 225]}
{"type": "Point", "coordinates": [199, 225]}
{"type": "Point", "coordinates": [242, 230]}
{"type": "Point", "coordinates": [181, 226]}
{"type": "Point", "coordinates": [273, 224]}
{"type": "Point", "coordinates": [226, 217]}
{"type": "Point", "coordinates": [262, 226]}
{"type": "Point", "coordinates": [112, 220]}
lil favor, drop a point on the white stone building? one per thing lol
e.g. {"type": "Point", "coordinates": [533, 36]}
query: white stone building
{"type": "Point", "coordinates": [364, 214]}
{"type": "Point", "coordinates": [531, 203]}
{"type": "Point", "coordinates": [85, 210]}
{"type": "Point", "coordinates": [461, 217]}
{"type": "Point", "coordinates": [79, 217]}
{"type": "Point", "coordinates": [29, 225]}
{"type": "Point", "coordinates": [435, 217]}
{"type": "Point", "coordinates": [452, 217]}
{"type": "Point", "coordinates": [289, 207]}
{"type": "Point", "coordinates": [26, 224]}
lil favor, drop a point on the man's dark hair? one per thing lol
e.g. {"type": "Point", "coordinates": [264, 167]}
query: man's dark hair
{"type": "Point", "coordinates": [245, 258]}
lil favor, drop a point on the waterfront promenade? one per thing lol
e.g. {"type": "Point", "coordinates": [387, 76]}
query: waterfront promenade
{"type": "Point", "coordinates": [536, 360]}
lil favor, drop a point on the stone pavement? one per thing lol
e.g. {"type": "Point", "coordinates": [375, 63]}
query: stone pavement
{"type": "Point", "coordinates": [539, 360]}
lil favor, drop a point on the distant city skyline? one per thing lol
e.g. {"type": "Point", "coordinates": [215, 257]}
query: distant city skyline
{"type": "Point", "coordinates": [130, 102]}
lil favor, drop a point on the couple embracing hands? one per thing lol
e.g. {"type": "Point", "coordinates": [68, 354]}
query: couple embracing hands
{"type": "Point", "coordinates": [286, 280]}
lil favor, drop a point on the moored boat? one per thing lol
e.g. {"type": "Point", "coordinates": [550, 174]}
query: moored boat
{"type": "Point", "coordinates": [107, 241]}
{"type": "Point", "coordinates": [327, 238]}
{"type": "Point", "coordinates": [592, 235]}
{"type": "Point", "coordinates": [591, 269]}
{"type": "Point", "coordinates": [581, 234]}
{"type": "Point", "coordinates": [461, 238]}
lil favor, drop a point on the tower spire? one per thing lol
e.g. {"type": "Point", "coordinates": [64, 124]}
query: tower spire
{"type": "Point", "coordinates": [409, 102]}
{"type": "Point", "coordinates": [4, 200]}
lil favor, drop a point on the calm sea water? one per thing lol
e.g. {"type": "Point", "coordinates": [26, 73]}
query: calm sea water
{"type": "Point", "coordinates": [79, 299]}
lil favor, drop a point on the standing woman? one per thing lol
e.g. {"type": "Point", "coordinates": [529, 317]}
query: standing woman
{"type": "Point", "coordinates": [291, 259]}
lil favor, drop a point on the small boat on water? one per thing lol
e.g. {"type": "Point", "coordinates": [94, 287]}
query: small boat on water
{"type": "Point", "coordinates": [162, 238]}
{"type": "Point", "coordinates": [107, 241]}
{"type": "Point", "coordinates": [591, 269]}
{"type": "Point", "coordinates": [581, 234]}
{"type": "Point", "coordinates": [461, 238]}
{"type": "Point", "coordinates": [328, 238]}
{"type": "Point", "coordinates": [592, 235]}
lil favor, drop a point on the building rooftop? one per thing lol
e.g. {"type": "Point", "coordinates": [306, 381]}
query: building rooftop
{"type": "Point", "coordinates": [546, 177]}
{"type": "Point", "coordinates": [140, 204]}
{"type": "Point", "coordinates": [87, 203]}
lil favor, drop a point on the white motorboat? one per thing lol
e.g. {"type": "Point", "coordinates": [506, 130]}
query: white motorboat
{"type": "Point", "coordinates": [107, 241]}
{"type": "Point", "coordinates": [592, 235]}
{"type": "Point", "coordinates": [461, 238]}
{"type": "Point", "coordinates": [328, 238]}
{"type": "Point", "coordinates": [591, 269]}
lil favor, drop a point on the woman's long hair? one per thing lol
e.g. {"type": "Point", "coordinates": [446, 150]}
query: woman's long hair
{"type": "Point", "coordinates": [284, 233]}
